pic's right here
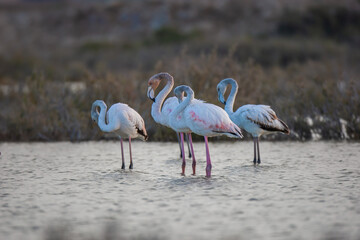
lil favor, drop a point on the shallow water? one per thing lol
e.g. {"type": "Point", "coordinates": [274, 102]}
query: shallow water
{"type": "Point", "coordinates": [78, 191]}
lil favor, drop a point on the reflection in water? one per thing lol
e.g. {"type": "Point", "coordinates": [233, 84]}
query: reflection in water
{"type": "Point", "coordinates": [78, 191]}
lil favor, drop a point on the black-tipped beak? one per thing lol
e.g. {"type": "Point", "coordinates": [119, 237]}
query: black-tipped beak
{"type": "Point", "coordinates": [150, 93]}
{"type": "Point", "coordinates": [222, 100]}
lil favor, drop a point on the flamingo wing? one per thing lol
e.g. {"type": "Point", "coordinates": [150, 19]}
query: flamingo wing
{"type": "Point", "coordinates": [137, 122]}
{"type": "Point", "coordinates": [263, 116]}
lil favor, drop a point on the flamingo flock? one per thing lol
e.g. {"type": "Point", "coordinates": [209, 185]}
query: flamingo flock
{"type": "Point", "coordinates": [185, 114]}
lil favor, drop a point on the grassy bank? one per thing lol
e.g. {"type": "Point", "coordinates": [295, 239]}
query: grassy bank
{"type": "Point", "coordinates": [312, 97]}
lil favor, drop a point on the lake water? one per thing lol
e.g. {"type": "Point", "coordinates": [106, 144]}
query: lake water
{"type": "Point", "coordinates": [78, 191]}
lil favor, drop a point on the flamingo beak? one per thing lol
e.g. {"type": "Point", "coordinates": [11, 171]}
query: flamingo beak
{"type": "Point", "coordinates": [150, 93]}
{"type": "Point", "coordinates": [221, 98]}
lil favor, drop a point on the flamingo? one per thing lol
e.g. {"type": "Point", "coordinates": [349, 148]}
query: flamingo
{"type": "Point", "coordinates": [121, 120]}
{"type": "Point", "coordinates": [202, 118]}
{"type": "Point", "coordinates": [178, 125]}
{"type": "Point", "coordinates": [255, 119]}
{"type": "Point", "coordinates": [160, 110]}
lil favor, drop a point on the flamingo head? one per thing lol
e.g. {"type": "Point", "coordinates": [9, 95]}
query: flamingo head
{"type": "Point", "coordinates": [221, 89]}
{"type": "Point", "coordinates": [154, 82]}
{"type": "Point", "coordinates": [95, 110]}
{"type": "Point", "coordinates": [222, 86]}
{"type": "Point", "coordinates": [179, 92]}
{"type": "Point", "coordinates": [179, 95]}
{"type": "Point", "coordinates": [95, 114]}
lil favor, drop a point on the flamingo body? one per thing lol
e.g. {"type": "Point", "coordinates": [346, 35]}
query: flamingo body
{"type": "Point", "coordinates": [258, 120]}
{"type": "Point", "coordinates": [209, 120]}
{"type": "Point", "coordinates": [131, 123]}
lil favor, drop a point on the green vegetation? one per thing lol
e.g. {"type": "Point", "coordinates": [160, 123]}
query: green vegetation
{"type": "Point", "coordinates": [170, 35]}
{"type": "Point", "coordinates": [96, 46]}
{"type": "Point", "coordinates": [335, 22]}
{"type": "Point", "coordinates": [51, 110]}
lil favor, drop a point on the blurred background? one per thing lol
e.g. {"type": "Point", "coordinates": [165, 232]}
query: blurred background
{"type": "Point", "coordinates": [302, 57]}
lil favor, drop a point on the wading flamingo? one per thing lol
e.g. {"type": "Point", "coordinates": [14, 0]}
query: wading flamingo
{"type": "Point", "coordinates": [177, 123]}
{"type": "Point", "coordinates": [202, 118]}
{"type": "Point", "coordinates": [255, 119]}
{"type": "Point", "coordinates": [121, 120]}
{"type": "Point", "coordinates": [160, 110]}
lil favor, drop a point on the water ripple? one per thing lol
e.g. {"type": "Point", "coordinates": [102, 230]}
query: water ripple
{"type": "Point", "coordinates": [293, 194]}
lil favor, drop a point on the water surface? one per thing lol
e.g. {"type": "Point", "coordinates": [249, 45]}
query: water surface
{"type": "Point", "coordinates": [300, 191]}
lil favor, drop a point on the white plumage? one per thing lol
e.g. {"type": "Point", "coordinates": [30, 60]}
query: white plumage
{"type": "Point", "coordinates": [168, 106]}
{"type": "Point", "coordinates": [202, 118]}
{"type": "Point", "coordinates": [121, 120]}
{"type": "Point", "coordinates": [255, 119]}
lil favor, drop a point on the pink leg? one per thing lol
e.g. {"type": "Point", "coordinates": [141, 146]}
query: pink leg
{"type": "Point", "coordinates": [122, 154]}
{"type": "Point", "coordinates": [131, 162]}
{"type": "Point", "coordinates": [193, 155]}
{"type": "Point", "coordinates": [208, 160]}
{"type": "Point", "coordinates": [183, 153]}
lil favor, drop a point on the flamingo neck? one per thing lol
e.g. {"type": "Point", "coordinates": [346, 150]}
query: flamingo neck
{"type": "Point", "coordinates": [180, 108]}
{"type": "Point", "coordinates": [111, 125]}
{"type": "Point", "coordinates": [160, 98]}
{"type": "Point", "coordinates": [94, 111]}
{"type": "Point", "coordinates": [229, 106]}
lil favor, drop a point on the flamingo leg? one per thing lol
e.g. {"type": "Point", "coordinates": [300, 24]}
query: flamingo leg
{"type": "Point", "coordinates": [193, 155]}
{"type": "Point", "coordinates": [188, 145]}
{"type": "Point", "coordinates": [183, 154]}
{"type": "Point", "coordinates": [179, 141]}
{"type": "Point", "coordinates": [131, 162]}
{"type": "Point", "coordinates": [122, 154]}
{"type": "Point", "coordinates": [208, 160]}
{"type": "Point", "coordinates": [258, 150]}
{"type": "Point", "coordinates": [254, 150]}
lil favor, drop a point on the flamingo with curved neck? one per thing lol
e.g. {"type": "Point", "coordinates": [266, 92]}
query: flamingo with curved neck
{"type": "Point", "coordinates": [156, 108]}
{"type": "Point", "coordinates": [255, 119]}
{"type": "Point", "coordinates": [202, 118]}
{"type": "Point", "coordinates": [161, 108]}
{"type": "Point", "coordinates": [121, 120]}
